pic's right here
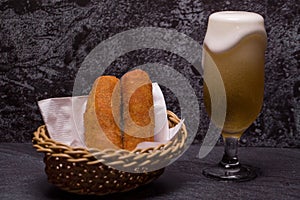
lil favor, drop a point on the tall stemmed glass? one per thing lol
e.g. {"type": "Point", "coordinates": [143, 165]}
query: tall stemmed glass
{"type": "Point", "coordinates": [234, 44]}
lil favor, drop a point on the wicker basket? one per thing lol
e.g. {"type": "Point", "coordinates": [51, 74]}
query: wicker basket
{"type": "Point", "coordinates": [83, 171]}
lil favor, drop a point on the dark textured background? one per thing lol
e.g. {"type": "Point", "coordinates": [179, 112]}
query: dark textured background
{"type": "Point", "coordinates": [43, 43]}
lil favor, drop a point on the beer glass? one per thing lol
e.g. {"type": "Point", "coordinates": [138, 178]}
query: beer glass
{"type": "Point", "coordinates": [234, 51]}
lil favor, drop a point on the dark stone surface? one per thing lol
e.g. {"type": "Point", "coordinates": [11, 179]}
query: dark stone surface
{"type": "Point", "coordinates": [22, 177]}
{"type": "Point", "coordinates": [43, 44]}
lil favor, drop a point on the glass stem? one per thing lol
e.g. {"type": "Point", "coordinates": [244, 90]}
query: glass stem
{"type": "Point", "coordinates": [230, 158]}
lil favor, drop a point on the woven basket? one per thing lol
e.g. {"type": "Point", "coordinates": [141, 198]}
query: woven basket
{"type": "Point", "coordinates": [83, 171]}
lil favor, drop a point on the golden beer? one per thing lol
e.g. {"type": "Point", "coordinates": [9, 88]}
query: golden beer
{"type": "Point", "coordinates": [233, 62]}
{"type": "Point", "coordinates": [242, 70]}
{"type": "Point", "coordinates": [234, 51]}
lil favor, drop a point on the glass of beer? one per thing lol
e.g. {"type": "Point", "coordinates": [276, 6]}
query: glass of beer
{"type": "Point", "coordinates": [234, 55]}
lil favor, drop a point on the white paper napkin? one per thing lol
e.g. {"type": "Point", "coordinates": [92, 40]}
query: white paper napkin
{"type": "Point", "coordinates": [64, 119]}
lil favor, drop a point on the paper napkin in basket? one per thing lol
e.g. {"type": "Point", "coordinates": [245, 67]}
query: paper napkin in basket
{"type": "Point", "coordinates": [64, 119]}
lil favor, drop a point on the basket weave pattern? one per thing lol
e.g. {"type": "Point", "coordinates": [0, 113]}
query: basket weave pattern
{"type": "Point", "coordinates": [83, 171]}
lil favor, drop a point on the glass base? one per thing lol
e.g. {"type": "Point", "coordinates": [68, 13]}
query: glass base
{"type": "Point", "coordinates": [238, 174]}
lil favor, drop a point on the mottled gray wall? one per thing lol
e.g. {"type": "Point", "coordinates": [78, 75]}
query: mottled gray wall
{"type": "Point", "coordinates": [43, 43]}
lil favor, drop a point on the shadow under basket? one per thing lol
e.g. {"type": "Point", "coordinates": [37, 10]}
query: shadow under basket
{"type": "Point", "coordinates": [82, 171]}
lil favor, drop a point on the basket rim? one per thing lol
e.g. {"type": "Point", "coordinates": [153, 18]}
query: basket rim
{"type": "Point", "coordinates": [43, 143]}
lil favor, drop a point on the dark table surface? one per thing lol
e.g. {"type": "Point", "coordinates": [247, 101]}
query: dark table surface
{"type": "Point", "coordinates": [22, 177]}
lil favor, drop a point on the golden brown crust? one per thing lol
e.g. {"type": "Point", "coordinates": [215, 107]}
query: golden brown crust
{"type": "Point", "coordinates": [106, 114]}
{"type": "Point", "coordinates": [138, 113]}
{"type": "Point", "coordinates": [102, 114]}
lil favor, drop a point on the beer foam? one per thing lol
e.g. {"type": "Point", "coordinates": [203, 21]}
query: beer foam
{"type": "Point", "coordinates": [227, 28]}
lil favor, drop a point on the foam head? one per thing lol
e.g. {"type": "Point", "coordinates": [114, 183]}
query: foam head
{"type": "Point", "coordinates": [227, 28]}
